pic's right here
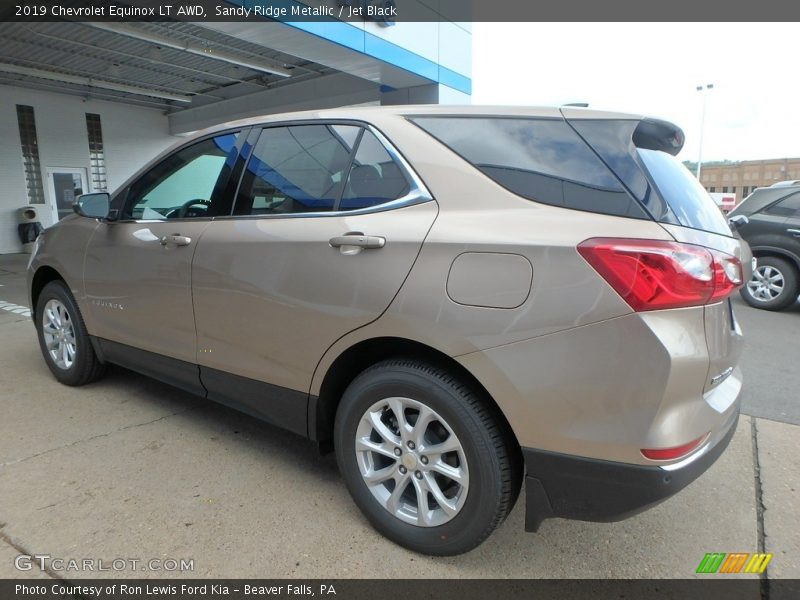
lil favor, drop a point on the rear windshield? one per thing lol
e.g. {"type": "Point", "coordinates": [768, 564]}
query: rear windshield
{"type": "Point", "coordinates": [688, 200]}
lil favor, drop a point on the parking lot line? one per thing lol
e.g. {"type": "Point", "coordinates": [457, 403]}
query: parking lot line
{"type": "Point", "coordinates": [15, 308]}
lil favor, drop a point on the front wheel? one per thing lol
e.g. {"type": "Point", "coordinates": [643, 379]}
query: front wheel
{"type": "Point", "coordinates": [773, 286]}
{"type": "Point", "coordinates": [425, 459]}
{"type": "Point", "coordinates": [63, 338]}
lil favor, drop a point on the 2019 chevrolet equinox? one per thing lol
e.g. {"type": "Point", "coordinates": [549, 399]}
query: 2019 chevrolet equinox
{"type": "Point", "coordinates": [457, 300]}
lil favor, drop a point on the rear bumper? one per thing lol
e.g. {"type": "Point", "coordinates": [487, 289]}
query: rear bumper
{"type": "Point", "coordinates": [587, 489]}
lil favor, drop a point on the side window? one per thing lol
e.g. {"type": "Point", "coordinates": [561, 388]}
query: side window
{"type": "Point", "coordinates": [186, 184]}
{"type": "Point", "coordinates": [375, 178]}
{"type": "Point", "coordinates": [539, 159]}
{"type": "Point", "coordinates": [296, 169]}
{"type": "Point", "coordinates": [788, 207]}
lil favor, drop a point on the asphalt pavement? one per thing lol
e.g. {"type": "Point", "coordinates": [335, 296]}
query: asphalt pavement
{"type": "Point", "coordinates": [770, 362]}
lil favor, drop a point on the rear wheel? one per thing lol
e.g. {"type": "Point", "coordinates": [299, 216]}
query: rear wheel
{"type": "Point", "coordinates": [63, 338]}
{"type": "Point", "coordinates": [773, 286]}
{"type": "Point", "coordinates": [426, 461]}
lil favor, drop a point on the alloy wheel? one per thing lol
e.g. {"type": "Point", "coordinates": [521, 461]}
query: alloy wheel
{"type": "Point", "coordinates": [766, 284]}
{"type": "Point", "coordinates": [412, 461]}
{"type": "Point", "coordinates": [59, 334]}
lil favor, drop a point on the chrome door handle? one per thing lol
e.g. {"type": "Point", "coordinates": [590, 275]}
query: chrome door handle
{"type": "Point", "coordinates": [177, 239]}
{"type": "Point", "coordinates": [794, 232]}
{"type": "Point", "coordinates": [358, 240]}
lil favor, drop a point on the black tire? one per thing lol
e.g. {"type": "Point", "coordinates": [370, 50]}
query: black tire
{"type": "Point", "coordinates": [787, 296]}
{"type": "Point", "coordinates": [85, 367]}
{"type": "Point", "coordinates": [492, 456]}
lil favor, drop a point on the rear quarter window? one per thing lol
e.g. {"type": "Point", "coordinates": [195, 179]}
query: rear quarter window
{"type": "Point", "coordinates": [538, 159]}
{"type": "Point", "coordinates": [788, 207]}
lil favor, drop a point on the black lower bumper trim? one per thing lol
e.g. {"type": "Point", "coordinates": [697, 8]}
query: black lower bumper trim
{"type": "Point", "coordinates": [587, 489]}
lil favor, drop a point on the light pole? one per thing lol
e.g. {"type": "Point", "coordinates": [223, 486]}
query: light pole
{"type": "Point", "coordinates": [704, 91]}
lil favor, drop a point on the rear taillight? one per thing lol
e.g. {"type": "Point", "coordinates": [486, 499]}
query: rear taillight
{"type": "Point", "coordinates": [655, 274]}
{"type": "Point", "coordinates": [727, 275]}
{"type": "Point", "coordinates": [675, 451]}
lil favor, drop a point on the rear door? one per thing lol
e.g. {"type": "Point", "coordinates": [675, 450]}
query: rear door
{"type": "Point", "coordinates": [327, 224]}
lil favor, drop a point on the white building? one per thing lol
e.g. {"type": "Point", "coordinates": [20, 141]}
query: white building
{"type": "Point", "coordinates": [83, 106]}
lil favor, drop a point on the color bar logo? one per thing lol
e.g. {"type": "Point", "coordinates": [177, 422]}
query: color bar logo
{"type": "Point", "coordinates": [735, 562]}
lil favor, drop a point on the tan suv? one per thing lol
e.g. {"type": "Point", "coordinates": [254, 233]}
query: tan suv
{"type": "Point", "coordinates": [456, 300]}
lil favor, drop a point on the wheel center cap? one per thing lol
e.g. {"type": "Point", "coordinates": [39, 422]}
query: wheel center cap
{"type": "Point", "coordinates": [409, 461]}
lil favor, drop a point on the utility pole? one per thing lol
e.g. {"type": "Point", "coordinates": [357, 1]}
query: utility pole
{"type": "Point", "coordinates": [703, 90]}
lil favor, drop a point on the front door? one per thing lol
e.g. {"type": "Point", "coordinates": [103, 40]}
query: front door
{"type": "Point", "coordinates": [321, 240]}
{"type": "Point", "coordinates": [138, 268]}
{"type": "Point", "coordinates": [65, 184]}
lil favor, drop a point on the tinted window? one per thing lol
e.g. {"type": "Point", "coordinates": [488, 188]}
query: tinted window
{"type": "Point", "coordinates": [539, 159]}
{"type": "Point", "coordinates": [688, 200]}
{"type": "Point", "coordinates": [296, 169]}
{"type": "Point", "coordinates": [186, 184]}
{"type": "Point", "coordinates": [759, 200]}
{"type": "Point", "coordinates": [375, 178]}
{"type": "Point", "coordinates": [788, 207]}
{"type": "Point", "coordinates": [613, 141]}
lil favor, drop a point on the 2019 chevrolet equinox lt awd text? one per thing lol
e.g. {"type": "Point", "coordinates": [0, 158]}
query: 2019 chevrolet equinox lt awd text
{"type": "Point", "coordinates": [457, 300]}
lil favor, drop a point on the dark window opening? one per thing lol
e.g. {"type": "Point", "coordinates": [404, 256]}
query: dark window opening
{"type": "Point", "coordinates": [97, 158]}
{"type": "Point", "coordinates": [30, 154]}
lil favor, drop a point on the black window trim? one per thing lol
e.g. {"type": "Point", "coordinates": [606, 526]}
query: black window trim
{"type": "Point", "coordinates": [417, 194]}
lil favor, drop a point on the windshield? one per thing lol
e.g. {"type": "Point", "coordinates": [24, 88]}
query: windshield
{"type": "Point", "coordinates": [689, 201]}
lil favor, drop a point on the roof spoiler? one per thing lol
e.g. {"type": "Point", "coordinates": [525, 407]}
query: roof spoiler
{"type": "Point", "coordinates": [655, 134]}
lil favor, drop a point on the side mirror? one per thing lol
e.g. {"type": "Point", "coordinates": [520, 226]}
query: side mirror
{"type": "Point", "coordinates": [738, 221]}
{"type": "Point", "coordinates": [94, 206]}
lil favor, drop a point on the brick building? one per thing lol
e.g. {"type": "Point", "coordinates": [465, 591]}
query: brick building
{"type": "Point", "coordinates": [743, 177]}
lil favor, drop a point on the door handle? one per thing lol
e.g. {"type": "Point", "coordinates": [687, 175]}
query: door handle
{"type": "Point", "coordinates": [357, 240]}
{"type": "Point", "coordinates": [794, 232]}
{"type": "Point", "coordinates": [177, 239]}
